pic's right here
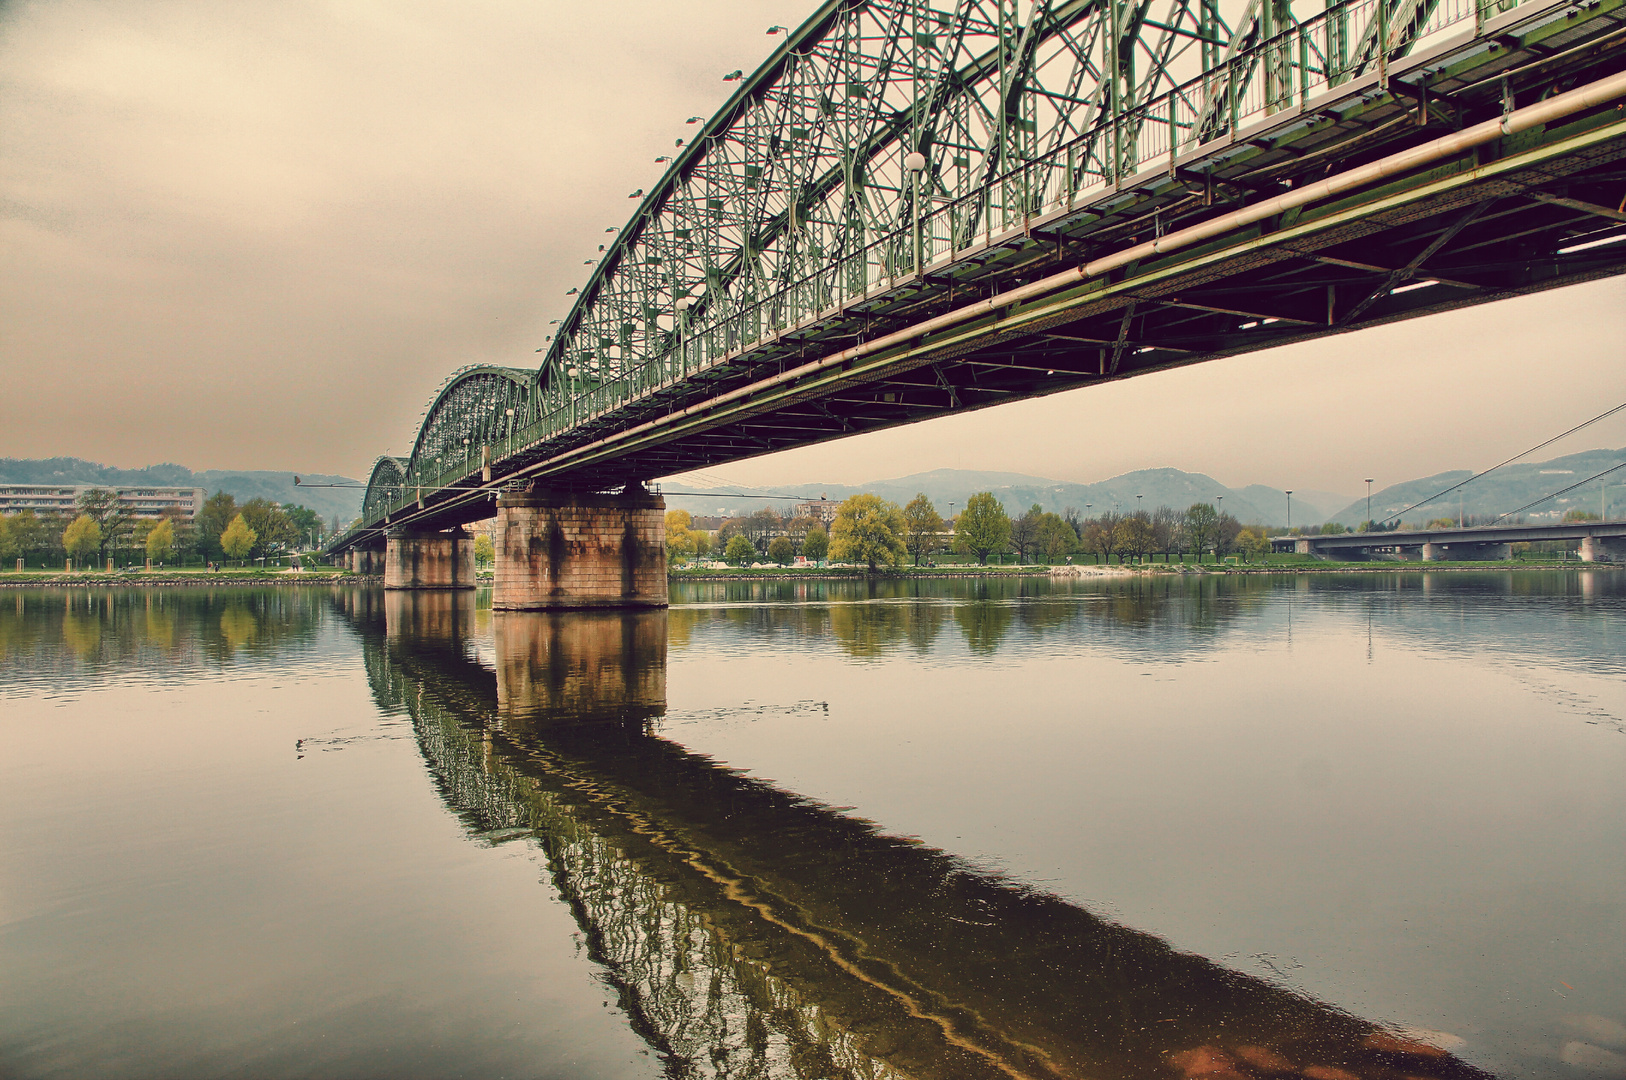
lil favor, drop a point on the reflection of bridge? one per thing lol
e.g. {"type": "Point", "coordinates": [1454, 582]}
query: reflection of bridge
{"type": "Point", "coordinates": [752, 932]}
{"type": "Point", "coordinates": [907, 212]}
{"type": "Point", "coordinates": [1600, 541]}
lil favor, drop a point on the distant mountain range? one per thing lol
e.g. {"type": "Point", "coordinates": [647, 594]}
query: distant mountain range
{"type": "Point", "coordinates": [276, 486]}
{"type": "Point", "coordinates": [1503, 491]}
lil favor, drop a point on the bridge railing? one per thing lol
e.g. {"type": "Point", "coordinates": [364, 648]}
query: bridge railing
{"type": "Point", "coordinates": [1280, 74]}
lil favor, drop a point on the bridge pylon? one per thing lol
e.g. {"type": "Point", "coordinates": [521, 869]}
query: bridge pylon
{"type": "Point", "coordinates": [428, 559]}
{"type": "Point", "coordinates": [562, 549]}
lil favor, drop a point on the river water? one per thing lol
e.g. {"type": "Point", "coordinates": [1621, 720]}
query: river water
{"type": "Point", "coordinates": [1327, 826]}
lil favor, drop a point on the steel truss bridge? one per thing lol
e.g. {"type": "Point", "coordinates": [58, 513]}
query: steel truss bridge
{"type": "Point", "coordinates": [919, 207]}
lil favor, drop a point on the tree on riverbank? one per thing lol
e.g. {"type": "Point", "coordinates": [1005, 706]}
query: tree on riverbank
{"type": "Point", "coordinates": [161, 542]}
{"type": "Point", "coordinates": [868, 529]}
{"type": "Point", "coordinates": [1025, 532]}
{"type": "Point", "coordinates": [216, 514]}
{"type": "Point", "coordinates": [1202, 522]}
{"type": "Point", "coordinates": [83, 537]}
{"type": "Point", "coordinates": [982, 528]}
{"type": "Point", "coordinates": [781, 550]}
{"type": "Point", "coordinates": [1056, 537]}
{"type": "Point", "coordinates": [238, 539]}
{"type": "Point", "coordinates": [739, 551]}
{"type": "Point", "coordinates": [921, 526]}
{"type": "Point", "coordinates": [679, 536]}
{"type": "Point", "coordinates": [113, 517]}
{"type": "Point", "coordinates": [816, 544]}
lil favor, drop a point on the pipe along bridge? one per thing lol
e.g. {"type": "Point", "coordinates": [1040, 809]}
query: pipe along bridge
{"type": "Point", "coordinates": [919, 208]}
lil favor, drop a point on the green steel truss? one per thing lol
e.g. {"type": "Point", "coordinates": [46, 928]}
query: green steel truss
{"type": "Point", "coordinates": [883, 145]}
{"type": "Point", "coordinates": [477, 410]}
{"type": "Point", "coordinates": [385, 487]}
{"type": "Point", "coordinates": [797, 198]}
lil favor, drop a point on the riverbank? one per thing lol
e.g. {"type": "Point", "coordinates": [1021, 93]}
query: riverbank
{"type": "Point", "coordinates": [833, 573]}
{"type": "Point", "coordinates": [1087, 570]}
{"type": "Point", "coordinates": [143, 579]}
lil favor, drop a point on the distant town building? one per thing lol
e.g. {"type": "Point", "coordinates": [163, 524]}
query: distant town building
{"type": "Point", "coordinates": [821, 510]}
{"type": "Point", "coordinates": [141, 501]}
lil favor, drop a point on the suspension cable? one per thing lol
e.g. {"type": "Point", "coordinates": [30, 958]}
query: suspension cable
{"type": "Point", "coordinates": [1511, 460]}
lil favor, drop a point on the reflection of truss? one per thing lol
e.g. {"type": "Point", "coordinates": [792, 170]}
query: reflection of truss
{"type": "Point", "coordinates": [706, 1008]}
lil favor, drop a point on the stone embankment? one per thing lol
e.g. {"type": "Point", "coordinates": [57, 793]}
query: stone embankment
{"type": "Point", "coordinates": [144, 581]}
{"type": "Point", "coordinates": [1094, 571]}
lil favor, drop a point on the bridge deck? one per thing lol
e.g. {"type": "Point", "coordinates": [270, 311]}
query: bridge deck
{"type": "Point", "coordinates": [1019, 312]}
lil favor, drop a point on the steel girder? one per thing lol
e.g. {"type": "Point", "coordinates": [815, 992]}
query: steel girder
{"type": "Point", "coordinates": [471, 420]}
{"type": "Point", "coordinates": [797, 198]}
{"type": "Point", "coordinates": [791, 228]}
{"type": "Point", "coordinates": [385, 487]}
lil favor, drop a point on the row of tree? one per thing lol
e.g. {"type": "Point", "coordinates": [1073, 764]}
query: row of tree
{"type": "Point", "coordinates": [101, 527]}
{"type": "Point", "coordinates": [874, 532]}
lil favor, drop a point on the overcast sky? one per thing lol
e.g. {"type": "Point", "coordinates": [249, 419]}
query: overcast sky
{"type": "Point", "coordinates": [251, 235]}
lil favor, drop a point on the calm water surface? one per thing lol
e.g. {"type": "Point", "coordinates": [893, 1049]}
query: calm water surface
{"type": "Point", "coordinates": [1367, 826]}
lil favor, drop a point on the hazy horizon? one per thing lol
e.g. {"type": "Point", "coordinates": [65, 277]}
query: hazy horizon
{"type": "Point", "coordinates": [242, 237]}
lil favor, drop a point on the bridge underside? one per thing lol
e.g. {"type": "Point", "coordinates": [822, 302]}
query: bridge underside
{"type": "Point", "coordinates": [1474, 243]}
{"type": "Point", "coordinates": [1525, 212]}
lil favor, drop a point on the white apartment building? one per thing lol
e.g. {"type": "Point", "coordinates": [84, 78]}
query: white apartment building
{"type": "Point", "coordinates": [142, 501]}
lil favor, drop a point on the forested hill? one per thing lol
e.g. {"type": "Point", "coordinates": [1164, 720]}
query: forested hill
{"type": "Point", "coordinates": [244, 485]}
{"type": "Point", "coordinates": [1505, 490]}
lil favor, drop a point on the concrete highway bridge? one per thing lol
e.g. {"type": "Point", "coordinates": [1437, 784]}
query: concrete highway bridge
{"type": "Point", "coordinates": [920, 207]}
{"type": "Point", "coordinates": [1600, 541]}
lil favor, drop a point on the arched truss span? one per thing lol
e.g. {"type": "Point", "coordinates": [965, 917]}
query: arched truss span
{"type": "Point", "coordinates": [475, 413]}
{"type": "Point", "coordinates": [798, 197]}
{"type": "Point", "coordinates": [384, 487]}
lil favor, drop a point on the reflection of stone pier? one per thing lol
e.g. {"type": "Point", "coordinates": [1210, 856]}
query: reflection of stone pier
{"type": "Point", "coordinates": [429, 615]}
{"type": "Point", "coordinates": [590, 666]}
{"type": "Point", "coordinates": [751, 931]}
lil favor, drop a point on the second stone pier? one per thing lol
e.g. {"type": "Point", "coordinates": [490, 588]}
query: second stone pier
{"type": "Point", "coordinates": [559, 549]}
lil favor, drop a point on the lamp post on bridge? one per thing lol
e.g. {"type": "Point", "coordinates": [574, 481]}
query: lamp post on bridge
{"type": "Point", "coordinates": [915, 163]}
{"type": "Point", "coordinates": [1289, 509]}
{"type": "Point", "coordinates": [1368, 502]}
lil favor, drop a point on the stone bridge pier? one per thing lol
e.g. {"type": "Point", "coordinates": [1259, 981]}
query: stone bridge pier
{"type": "Point", "coordinates": [562, 549]}
{"type": "Point", "coordinates": [364, 561]}
{"type": "Point", "coordinates": [423, 559]}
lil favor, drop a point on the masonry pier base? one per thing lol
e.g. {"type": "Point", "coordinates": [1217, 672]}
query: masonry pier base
{"type": "Point", "coordinates": [420, 559]}
{"type": "Point", "coordinates": [559, 549]}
